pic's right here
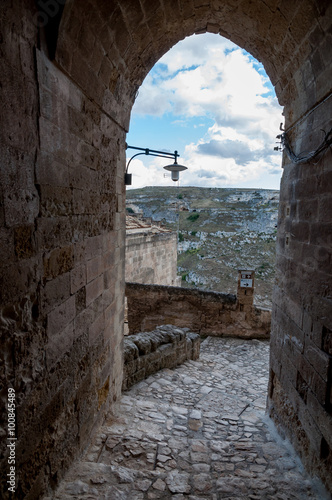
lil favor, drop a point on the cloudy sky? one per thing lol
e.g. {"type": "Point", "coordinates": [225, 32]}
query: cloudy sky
{"type": "Point", "coordinates": [214, 103]}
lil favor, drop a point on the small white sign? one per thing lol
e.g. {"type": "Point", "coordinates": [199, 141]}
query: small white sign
{"type": "Point", "coordinates": [246, 275]}
{"type": "Point", "coordinates": [245, 283]}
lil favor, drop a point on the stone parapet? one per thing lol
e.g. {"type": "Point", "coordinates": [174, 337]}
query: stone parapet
{"type": "Point", "coordinates": [207, 313]}
{"type": "Point", "coordinates": [165, 347]}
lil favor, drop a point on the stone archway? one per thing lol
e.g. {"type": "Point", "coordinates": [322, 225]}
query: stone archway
{"type": "Point", "coordinates": [62, 154]}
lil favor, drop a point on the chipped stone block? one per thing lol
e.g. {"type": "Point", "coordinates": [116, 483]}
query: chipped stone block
{"type": "Point", "coordinates": [147, 353]}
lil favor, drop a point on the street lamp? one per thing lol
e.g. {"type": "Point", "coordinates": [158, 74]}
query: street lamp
{"type": "Point", "coordinates": [175, 168]}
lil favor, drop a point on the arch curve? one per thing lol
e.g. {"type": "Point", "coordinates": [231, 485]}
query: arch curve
{"type": "Point", "coordinates": [281, 35]}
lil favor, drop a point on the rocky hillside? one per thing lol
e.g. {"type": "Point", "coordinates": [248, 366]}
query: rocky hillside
{"type": "Point", "coordinates": [220, 231]}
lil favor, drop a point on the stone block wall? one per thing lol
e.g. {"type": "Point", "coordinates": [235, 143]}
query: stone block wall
{"type": "Point", "coordinates": [165, 347]}
{"type": "Point", "coordinates": [206, 313]}
{"type": "Point", "coordinates": [300, 397]}
{"type": "Point", "coordinates": [151, 257]}
{"type": "Point", "coordinates": [62, 253]}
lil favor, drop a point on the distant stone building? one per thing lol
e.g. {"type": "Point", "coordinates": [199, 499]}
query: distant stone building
{"type": "Point", "coordinates": [151, 253]}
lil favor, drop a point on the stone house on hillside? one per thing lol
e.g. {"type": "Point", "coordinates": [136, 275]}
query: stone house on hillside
{"type": "Point", "coordinates": [151, 253]}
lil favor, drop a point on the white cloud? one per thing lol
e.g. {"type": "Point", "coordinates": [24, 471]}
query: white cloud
{"type": "Point", "coordinates": [203, 170]}
{"type": "Point", "coordinates": [228, 170]}
{"type": "Point", "coordinates": [208, 76]}
{"type": "Point", "coordinates": [195, 51]}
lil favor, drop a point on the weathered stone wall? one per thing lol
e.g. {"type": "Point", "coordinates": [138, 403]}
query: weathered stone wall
{"type": "Point", "coordinates": [62, 282]}
{"type": "Point", "coordinates": [206, 313]}
{"type": "Point", "coordinates": [165, 347]}
{"type": "Point", "coordinates": [300, 397]}
{"type": "Point", "coordinates": [63, 126]}
{"type": "Point", "coordinates": [151, 258]}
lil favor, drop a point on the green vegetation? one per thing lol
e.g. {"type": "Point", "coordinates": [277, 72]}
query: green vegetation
{"type": "Point", "coordinates": [193, 217]}
{"type": "Point", "coordinates": [181, 237]}
{"type": "Point", "coordinates": [130, 210]}
{"type": "Point", "coordinates": [192, 251]}
{"type": "Point", "coordinates": [193, 233]}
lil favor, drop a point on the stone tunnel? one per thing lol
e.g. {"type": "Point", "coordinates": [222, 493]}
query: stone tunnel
{"type": "Point", "coordinates": [70, 71]}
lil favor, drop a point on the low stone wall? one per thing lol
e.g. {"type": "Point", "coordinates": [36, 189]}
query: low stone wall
{"type": "Point", "coordinates": [165, 347]}
{"type": "Point", "coordinates": [206, 313]}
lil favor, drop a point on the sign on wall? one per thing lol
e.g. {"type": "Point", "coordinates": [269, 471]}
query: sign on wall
{"type": "Point", "coordinates": [246, 279]}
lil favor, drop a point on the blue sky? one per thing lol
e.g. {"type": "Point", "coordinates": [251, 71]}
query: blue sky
{"type": "Point", "coordinates": [214, 103]}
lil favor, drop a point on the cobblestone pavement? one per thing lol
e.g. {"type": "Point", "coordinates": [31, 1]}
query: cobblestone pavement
{"type": "Point", "coordinates": [196, 432]}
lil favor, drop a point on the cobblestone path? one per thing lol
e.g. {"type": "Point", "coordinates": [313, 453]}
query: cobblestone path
{"type": "Point", "coordinates": [196, 432]}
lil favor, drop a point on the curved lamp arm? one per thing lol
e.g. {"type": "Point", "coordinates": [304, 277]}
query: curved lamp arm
{"type": "Point", "coordinates": [128, 176]}
{"type": "Point", "coordinates": [152, 152]}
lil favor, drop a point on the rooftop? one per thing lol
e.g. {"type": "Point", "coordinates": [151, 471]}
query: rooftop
{"type": "Point", "coordinates": [137, 224]}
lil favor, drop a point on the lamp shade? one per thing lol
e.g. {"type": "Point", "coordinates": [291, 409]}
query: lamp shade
{"type": "Point", "coordinates": [175, 169]}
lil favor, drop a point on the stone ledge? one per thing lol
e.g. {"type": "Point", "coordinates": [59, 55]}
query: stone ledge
{"type": "Point", "coordinates": [225, 298]}
{"type": "Point", "coordinates": [165, 347]}
{"type": "Point", "coordinates": [204, 312]}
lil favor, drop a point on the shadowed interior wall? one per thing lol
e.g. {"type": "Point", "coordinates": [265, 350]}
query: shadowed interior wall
{"type": "Point", "coordinates": [63, 127]}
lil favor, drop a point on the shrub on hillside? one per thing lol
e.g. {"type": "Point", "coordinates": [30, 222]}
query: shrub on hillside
{"type": "Point", "coordinates": [193, 217]}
